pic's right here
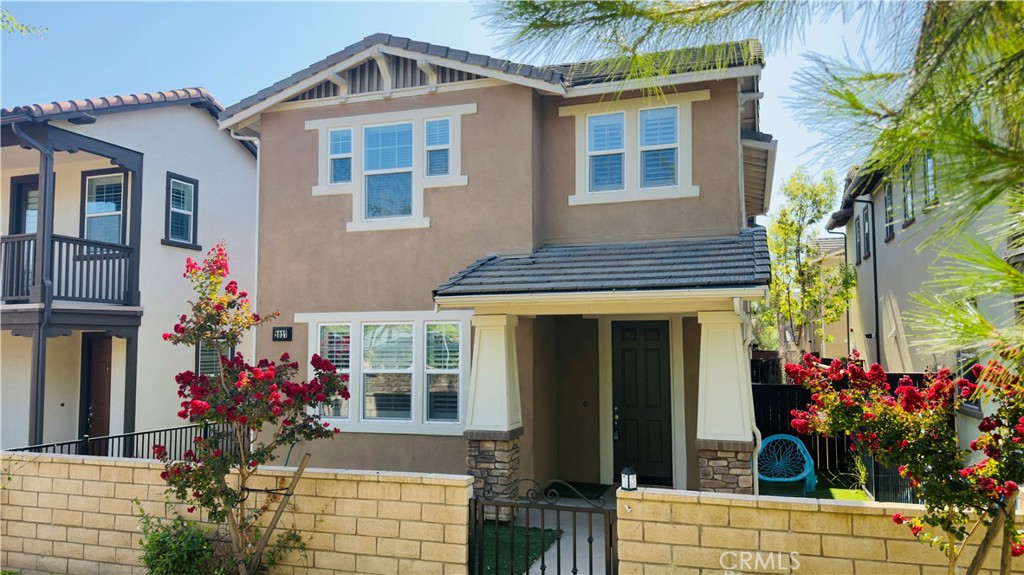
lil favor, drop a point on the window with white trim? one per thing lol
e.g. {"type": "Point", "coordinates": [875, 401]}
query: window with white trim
{"type": "Point", "coordinates": [437, 144]}
{"type": "Point", "coordinates": [208, 358]}
{"type": "Point", "coordinates": [104, 201]}
{"type": "Point", "coordinates": [407, 370]}
{"type": "Point", "coordinates": [340, 154]}
{"type": "Point", "coordinates": [387, 161]}
{"type": "Point", "coordinates": [606, 143]}
{"type": "Point", "coordinates": [628, 151]}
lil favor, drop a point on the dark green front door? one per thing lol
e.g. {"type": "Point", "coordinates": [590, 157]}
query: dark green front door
{"type": "Point", "coordinates": [641, 400]}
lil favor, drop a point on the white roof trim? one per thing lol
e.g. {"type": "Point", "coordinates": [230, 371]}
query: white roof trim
{"type": "Point", "coordinates": [772, 148]}
{"type": "Point", "coordinates": [659, 81]}
{"type": "Point", "coordinates": [453, 301]}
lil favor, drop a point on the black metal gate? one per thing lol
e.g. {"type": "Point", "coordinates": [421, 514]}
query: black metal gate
{"type": "Point", "coordinates": [549, 530]}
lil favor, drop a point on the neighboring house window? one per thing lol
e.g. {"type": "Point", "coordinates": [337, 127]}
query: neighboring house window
{"type": "Point", "coordinates": [606, 141]}
{"type": "Point", "coordinates": [659, 147]}
{"type": "Point", "coordinates": [627, 152]}
{"type": "Point", "coordinates": [867, 232]}
{"type": "Point", "coordinates": [442, 371]}
{"type": "Point", "coordinates": [406, 369]}
{"type": "Point", "coordinates": [890, 229]}
{"type": "Point", "coordinates": [856, 237]}
{"type": "Point", "coordinates": [340, 153]}
{"type": "Point", "coordinates": [181, 226]}
{"type": "Point", "coordinates": [336, 347]}
{"type": "Point", "coordinates": [438, 146]}
{"type": "Point", "coordinates": [931, 192]}
{"type": "Point", "coordinates": [387, 161]}
{"type": "Point", "coordinates": [908, 193]}
{"type": "Point", "coordinates": [208, 359]}
{"type": "Point", "coordinates": [103, 215]}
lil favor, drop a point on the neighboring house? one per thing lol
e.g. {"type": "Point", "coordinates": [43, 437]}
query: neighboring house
{"type": "Point", "coordinates": [835, 342]}
{"type": "Point", "coordinates": [532, 268]}
{"type": "Point", "coordinates": [107, 197]}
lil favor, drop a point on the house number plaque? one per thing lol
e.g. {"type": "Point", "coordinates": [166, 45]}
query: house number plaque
{"type": "Point", "coordinates": [282, 334]}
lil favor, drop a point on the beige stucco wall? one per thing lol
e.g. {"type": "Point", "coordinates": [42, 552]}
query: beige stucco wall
{"type": "Point", "coordinates": [72, 514]}
{"type": "Point", "coordinates": [691, 383]}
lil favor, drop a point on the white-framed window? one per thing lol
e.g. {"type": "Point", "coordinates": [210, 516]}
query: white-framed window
{"type": "Point", "coordinates": [104, 207]}
{"type": "Point", "coordinates": [659, 147]}
{"type": "Point", "coordinates": [606, 152]}
{"type": "Point", "coordinates": [208, 358]}
{"type": "Point", "coordinates": [335, 345]}
{"type": "Point", "coordinates": [387, 165]}
{"type": "Point", "coordinates": [437, 146]}
{"type": "Point", "coordinates": [407, 371]}
{"type": "Point", "coordinates": [386, 161]}
{"type": "Point", "coordinates": [340, 155]}
{"type": "Point", "coordinates": [629, 150]}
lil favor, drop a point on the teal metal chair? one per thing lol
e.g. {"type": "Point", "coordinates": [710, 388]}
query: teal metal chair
{"type": "Point", "coordinates": [784, 459]}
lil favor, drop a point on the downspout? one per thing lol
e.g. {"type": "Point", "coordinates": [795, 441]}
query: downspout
{"type": "Point", "coordinates": [846, 262]}
{"type": "Point", "coordinates": [874, 278]}
{"type": "Point", "coordinates": [748, 331]}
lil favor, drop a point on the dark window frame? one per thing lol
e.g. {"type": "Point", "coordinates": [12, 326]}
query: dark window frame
{"type": "Point", "coordinates": [890, 227]}
{"type": "Point", "coordinates": [857, 237]}
{"type": "Point", "coordinates": [866, 232]}
{"type": "Point", "coordinates": [17, 202]}
{"type": "Point", "coordinates": [167, 241]}
{"type": "Point", "coordinates": [125, 198]}
{"type": "Point", "coordinates": [931, 187]}
{"type": "Point", "coordinates": [907, 181]}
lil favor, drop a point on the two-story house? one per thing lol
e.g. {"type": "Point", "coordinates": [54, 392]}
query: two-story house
{"type": "Point", "coordinates": [527, 271]}
{"type": "Point", "coordinates": [106, 198]}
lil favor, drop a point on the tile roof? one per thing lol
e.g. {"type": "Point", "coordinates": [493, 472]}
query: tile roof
{"type": "Point", "coordinates": [198, 96]}
{"type": "Point", "coordinates": [570, 74]}
{"type": "Point", "coordinates": [740, 260]}
{"type": "Point", "coordinates": [829, 244]}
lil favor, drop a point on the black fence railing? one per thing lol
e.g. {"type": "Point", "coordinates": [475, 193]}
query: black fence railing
{"type": "Point", "coordinates": [138, 445]}
{"type": "Point", "coordinates": [885, 484]}
{"type": "Point", "coordinates": [17, 263]}
{"type": "Point", "coordinates": [82, 270]}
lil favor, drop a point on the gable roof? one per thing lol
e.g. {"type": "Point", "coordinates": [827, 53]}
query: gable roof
{"type": "Point", "coordinates": [556, 77]}
{"type": "Point", "coordinates": [80, 111]}
{"type": "Point", "coordinates": [733, 261]}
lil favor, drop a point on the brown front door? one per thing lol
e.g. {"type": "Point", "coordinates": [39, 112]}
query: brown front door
{"type": "Point", "coordinates": [641, 400]}
{"type": "Point", "coordinates": [96, 351]}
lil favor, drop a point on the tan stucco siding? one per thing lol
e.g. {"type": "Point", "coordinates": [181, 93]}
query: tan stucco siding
{"type": "Point", "coordinates": [384, 452]}
{"type": "Point", "coordinates": [691, 383]}
{"type": "Point", "coordinates": [715, 170]}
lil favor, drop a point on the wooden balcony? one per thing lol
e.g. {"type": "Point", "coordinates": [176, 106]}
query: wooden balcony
{"type": "Point", "coordinates": [82, 270]}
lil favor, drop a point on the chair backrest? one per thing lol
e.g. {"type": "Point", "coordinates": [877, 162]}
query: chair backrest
{"type": "Point", "coordinates": [783, 456]}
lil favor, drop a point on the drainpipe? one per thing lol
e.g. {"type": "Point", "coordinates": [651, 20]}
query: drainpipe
{"type": "Point", "coordinates": [748, 335]}
{"type": "Point", "coordinates": [874, 280]}
{"type": "Point", "coordinates": [44, 235]}
{"type": "Point", "coordinates": [846, 262]}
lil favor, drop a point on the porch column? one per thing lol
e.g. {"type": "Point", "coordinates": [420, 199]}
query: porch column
{"type": "Point", "coordinates": [725, 439]}
{"type": "Point", "coordinates": [494, 422]}
{"type": "Point", "coordinates": [37, 387]}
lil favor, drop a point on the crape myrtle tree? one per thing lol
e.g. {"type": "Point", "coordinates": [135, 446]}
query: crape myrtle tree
{"type": "Point", "coordinates": [912, 429]}
{"type": "Point", "coordinates": [248, 411]}
{"type": "Point", "coordinates": [804, 292]}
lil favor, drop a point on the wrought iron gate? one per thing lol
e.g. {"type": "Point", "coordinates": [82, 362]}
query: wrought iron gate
{"type": "Point", "coordinates": [540, 532]}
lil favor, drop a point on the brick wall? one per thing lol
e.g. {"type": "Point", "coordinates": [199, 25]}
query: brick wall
{"type": "Point", "coordinates": [71, 514]}
{"type": "Point", "coordinates": [664, 531]}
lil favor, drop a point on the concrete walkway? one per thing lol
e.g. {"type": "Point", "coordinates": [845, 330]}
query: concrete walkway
{"type": "Point", "coordinates": [581, 547]}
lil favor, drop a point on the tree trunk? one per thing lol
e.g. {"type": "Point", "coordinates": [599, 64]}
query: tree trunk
{"type": "Point", "coordinates": [991, 534]}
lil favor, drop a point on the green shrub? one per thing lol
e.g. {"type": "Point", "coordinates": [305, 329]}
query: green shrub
{"type": "Point", "coordinates": [178, 547]}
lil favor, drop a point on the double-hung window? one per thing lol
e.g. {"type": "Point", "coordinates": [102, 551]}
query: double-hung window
{"type": "Point", "coordinates": [442, 368]}
{"type": "Point", "coordinates": [208, 358]}
{"type": "Point", "coordinates": [890, 229]}
{"type": "Point", "coordinates": [387, 166]}
{"type": "Point", "coordinates": [438, 146]}
{"type": "Point", "coordinates": [181, 226]}
{"type": "Point", "coordinates": [104, 207]}
{"type": "Point", "coordinates": [857, 240]}
{"type": "Point", "coordinates": [931, 192]}
{"type": "Point", "coordinates": [387, 370]}
{"type": "Point", "coordinates": [336, 347]}
{"type": "Point", "coordinates": [606, 151]}
{"type": "Point", "coordinates": [908, 193]}
{"type": "Point", "coordinates": [659, 147]}
{"type": "Point", "coordinates": [340, 155]}
{"type": "Point", "coordinates": [865, 214]}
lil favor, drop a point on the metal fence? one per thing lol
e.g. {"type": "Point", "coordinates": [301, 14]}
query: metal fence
{"type": "Point", "coordinates": [137, 445]}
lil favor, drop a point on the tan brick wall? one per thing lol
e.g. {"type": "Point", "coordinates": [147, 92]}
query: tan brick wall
{"type": "Point", "coordinates": [72, 514]}
{"type": "Point", "coordinates": [663, 531]}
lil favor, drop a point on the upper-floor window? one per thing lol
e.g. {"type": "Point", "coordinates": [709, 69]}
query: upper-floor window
{"type": "Point", "coordinates": [629, 151]}
{"type": "Point", "coordinates": [931, 193]}
{"type": "Point", "coordinates": [865, 214]}
{"type": "Point", "coordinates": [857, 240]}
{"type": "Point", "coordinates": [890, 229]}
{"type": "Point", "coordinates": [181, 225]}
{"type": "Point", "coordinates": [908, 193]}
{"type": "Point", "coordinates": [386, 161]}
{"type": "Point", "coordinates": [103, 216]}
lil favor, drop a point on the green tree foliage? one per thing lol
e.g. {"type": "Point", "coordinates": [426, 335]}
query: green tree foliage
{"type": "Point", "coordinates": [805, 292]}
{"type": "Point", "coordinates": [10, 24]}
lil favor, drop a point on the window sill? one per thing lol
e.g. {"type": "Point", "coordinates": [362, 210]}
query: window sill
{"type": "Point", "coordinates": [908, 223]}
{"type": "Point", "coordinates": [889, 237]}
{"type": "Point", "coordinates": [445, 181]}
{"type": "Point", "coordinates": [634, 195]}
{"type": "Point", "coordinates": [388, 224]}
{"type": "Point", "coordinates": [971, 410]}
{"type": "Point", "coordinates": [397, 427]}
{"type": "Point", "coordinates": [931, 205]}
{"type": "Point", "coordinates": [182, 245]}
{"type": "Point", "coordinates": [334, 189]}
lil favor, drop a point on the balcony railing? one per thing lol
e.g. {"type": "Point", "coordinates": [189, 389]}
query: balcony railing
{"type": "Point", "coordinates": [139, 445]}
{"type": "Point", "coordinates": [83, 270]}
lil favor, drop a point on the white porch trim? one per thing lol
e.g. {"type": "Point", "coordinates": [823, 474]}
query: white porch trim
{"type": "Point", "coordinates": [724, 403]}
{"type": "Point", "coordinates": [494, 403]}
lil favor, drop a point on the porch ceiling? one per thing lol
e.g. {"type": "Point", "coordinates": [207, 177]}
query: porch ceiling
{"type": "Point", "coordinates": [15, 158]}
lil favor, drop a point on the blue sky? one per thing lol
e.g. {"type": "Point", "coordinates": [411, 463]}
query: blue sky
{"type": "Point", "coordinates": [236, 48]}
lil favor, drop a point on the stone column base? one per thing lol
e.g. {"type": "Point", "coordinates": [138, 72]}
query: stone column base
{"type": "Point", "coordinates": [492, 458]}
{"type": "Point", "coordinates": [725, 466]}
